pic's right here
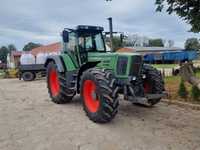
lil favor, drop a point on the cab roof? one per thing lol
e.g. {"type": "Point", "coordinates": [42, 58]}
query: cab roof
{"type": "Point", "coordinates": [88, 28]}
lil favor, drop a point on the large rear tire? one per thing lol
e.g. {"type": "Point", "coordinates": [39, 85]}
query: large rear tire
{"type": "Point", "coordinates": [99, 95]}
{"type": "Point", "coordinates": [154, 83]}
{"type": "Point", "coordinates": [56, 84]}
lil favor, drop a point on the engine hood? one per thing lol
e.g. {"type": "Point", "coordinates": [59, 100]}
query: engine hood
{"type": "Point", "coordinates": [96, 56]}
{"type": "Point", "coordinates": [108, 60]}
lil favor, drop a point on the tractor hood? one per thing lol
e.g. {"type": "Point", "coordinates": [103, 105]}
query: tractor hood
{"type": "Point", "coordinates": [120, 63]}
{"type": "Point", "coordinates": [99, 56]}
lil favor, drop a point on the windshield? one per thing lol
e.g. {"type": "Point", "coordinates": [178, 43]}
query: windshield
{"type": "Point", "coordinates": [92, 42]}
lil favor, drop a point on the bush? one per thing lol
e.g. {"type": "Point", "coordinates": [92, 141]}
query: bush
{"type": "Point", "coordinates": [182, 92]}
{"type": "Point", "coordinates": [195, 93]}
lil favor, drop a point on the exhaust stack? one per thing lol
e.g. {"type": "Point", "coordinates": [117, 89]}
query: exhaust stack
{"type": "Point", "coordinates": [111, 32]}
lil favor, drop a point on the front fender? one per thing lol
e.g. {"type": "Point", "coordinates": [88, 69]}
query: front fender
{"type": "Point", "coordinates": [57, 60]}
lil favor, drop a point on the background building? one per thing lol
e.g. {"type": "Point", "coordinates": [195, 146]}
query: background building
{"type": "Point", "coordinates": [13, 59]}
{"type": "Point", "coordinates": [163, 54]}
{"type": "Point", "coordinates": [51, 48]}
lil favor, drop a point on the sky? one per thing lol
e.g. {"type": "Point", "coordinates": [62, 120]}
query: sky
{"type": "Point", "coordinates": [41, 21]}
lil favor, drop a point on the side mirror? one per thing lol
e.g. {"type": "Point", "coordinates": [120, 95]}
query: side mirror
{"type": "Point", "coordinates": [65, 36]}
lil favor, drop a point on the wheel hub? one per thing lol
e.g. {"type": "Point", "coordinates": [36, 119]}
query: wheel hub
{"type": "Point", "coordinates": [94, 95]}
{"type": "Point", "coordinates": [147, 87]}
{"type": "Point", "coordinates": [54, 82]}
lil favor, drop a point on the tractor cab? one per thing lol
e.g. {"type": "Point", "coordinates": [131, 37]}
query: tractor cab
{"type": "Point", "coordinates": [82, 40]}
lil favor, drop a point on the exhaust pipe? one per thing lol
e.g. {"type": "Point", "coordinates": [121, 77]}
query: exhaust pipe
{"type": "Point", "coordinates": [111, 32]}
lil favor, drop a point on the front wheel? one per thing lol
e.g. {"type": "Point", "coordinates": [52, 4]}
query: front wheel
{"type": "Point", "coordinates": [153, 84]}
{"type": "Point", "coordinates": [99, 95]}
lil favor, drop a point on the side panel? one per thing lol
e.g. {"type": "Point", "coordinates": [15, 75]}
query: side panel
{"type": "Point", "coordinates": [68, 62]}
{"type": "Point", "coordinates": [106, 60]}
{"type": "Point", "coordinates": [113, 62]}
{"type": "Point", "coordinates": [109, 61]}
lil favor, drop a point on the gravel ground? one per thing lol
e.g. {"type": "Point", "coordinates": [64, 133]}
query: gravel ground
{"type": "Point", "coordinates": [30, 121]}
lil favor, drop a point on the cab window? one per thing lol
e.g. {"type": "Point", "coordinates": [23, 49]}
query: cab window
{"type": "Point", "coordinates": [72, 41]}
{"type": "Point", "coordinates": [88, 43]}
{"type": "Point", "coordinates": [92, 42]}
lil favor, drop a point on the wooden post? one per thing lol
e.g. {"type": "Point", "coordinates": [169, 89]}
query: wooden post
{"type": "Point", "coordinates": [187, 74]}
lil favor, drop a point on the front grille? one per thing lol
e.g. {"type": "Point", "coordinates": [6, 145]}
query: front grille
{"type": "Point", "coordinates": [122, 65]}
{"type": "Point", "coordinates": [136, 66]}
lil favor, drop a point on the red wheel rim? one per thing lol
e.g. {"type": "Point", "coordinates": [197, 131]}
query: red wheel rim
{"type": "Point", "coordinates": [54, 83]}
{"type": "Point", "coordinates": [147, 87]}
{"type": "Point", "coordinates": [90, 97]}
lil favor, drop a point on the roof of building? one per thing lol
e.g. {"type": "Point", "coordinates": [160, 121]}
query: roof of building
{"type": "Point", "coordinates": [16, 53]}
{"type": "Point", "coordinates": [149, 49]}
{"type": "Point", "coordinates": [55, 47]}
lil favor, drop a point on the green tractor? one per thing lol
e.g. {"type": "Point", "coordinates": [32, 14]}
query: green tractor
{"type": "Point", "coordinates": [85, 67]}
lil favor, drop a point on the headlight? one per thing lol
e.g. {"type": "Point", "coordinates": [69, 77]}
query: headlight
{"type": "Point", "coordinates": [122, 65]}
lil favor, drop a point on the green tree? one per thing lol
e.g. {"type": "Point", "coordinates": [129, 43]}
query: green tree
{"type": "Point", "coordinates": [11, 47]}
{"type": "Point", "coordinates": [30, 46]}
{"type": "Point", "coordinates": [192, 44]}
{"type": "Point", "coordinates": [116, 43]}
{"type": "Point", "coordinates": [188, 10]}
{"type": "Point", "coordinates": [182, 92]}
{"type": "Point", "coordinates": [3, 54]}
{"type": "Point", "coordinates": [156, 43]}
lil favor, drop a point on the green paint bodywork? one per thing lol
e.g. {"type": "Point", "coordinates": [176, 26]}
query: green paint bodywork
{"type": "Point", "coordinates": [69, 63]}
{"type": "Point", "coordinates": [109, 60]}
{"type": "Point", "coordinates": [106, 60]}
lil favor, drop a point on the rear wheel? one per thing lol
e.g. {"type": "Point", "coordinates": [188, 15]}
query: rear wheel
{"type": "Point", "coordinates": [99, 94]}
{"type": "Point", "coordinates": [56, 84]}
{"type": "Point", "coordinates": [154, 83]}
{"type": "Point", "coordinates": [28, 76]}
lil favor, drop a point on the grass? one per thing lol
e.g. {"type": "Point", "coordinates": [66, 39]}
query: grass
{"type": "Point", "coordinates": [164, 65]}
{"type": "Point", "coordinates": [198, 74]}
{"type": "Point", "coordinates": [172, 87]}
{"type": "Point", "coordinates": [172, 79]}
{"type": "Point", "coordinates": [2, 73]}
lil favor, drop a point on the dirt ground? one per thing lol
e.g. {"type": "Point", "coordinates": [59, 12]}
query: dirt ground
{"type": "Point", "coordinates": [30, 121]}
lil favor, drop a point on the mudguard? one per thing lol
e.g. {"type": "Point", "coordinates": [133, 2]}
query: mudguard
{"type": "Point", "coordinates": [57, 60]}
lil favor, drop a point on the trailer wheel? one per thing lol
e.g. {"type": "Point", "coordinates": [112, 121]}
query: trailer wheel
{"type": "Point", "coordinates": [154, 83]}
{"type": "Point", "coordinates": [28, 76]}
{"type": "Point", "coordinates": [99, 95]}
{"type": "Point", "coordinates": [56, 84]}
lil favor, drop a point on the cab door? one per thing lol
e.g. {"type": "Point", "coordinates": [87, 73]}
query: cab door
{"type": "Point", "coordinates": [82, 46]}
{"type": "Point", "coordinates": [71, 47]}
